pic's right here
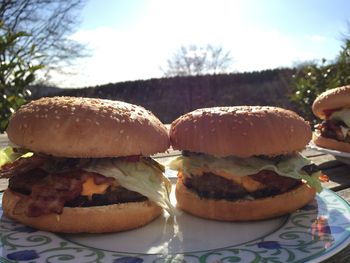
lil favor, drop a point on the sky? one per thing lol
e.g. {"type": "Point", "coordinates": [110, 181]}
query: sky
{"type": "Point", "coordinates": [133, 39]}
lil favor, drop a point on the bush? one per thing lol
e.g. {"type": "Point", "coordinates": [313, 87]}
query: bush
{"type": "Point", "coordinates": [313, 79]}
{"type": "Point", "coordinates": [16, 73]}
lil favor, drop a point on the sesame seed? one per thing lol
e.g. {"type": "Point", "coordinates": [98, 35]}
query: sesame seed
{"type": "Point", "coordinates": [121, 131]}
{"type": "Point", "coordinates": [77, 119]}
{"type": "Point", "coordinates": [58, 117]}
{"type": "Point", "coordinates": [97, 123]}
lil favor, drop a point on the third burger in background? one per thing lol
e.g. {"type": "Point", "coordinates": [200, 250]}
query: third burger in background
{"type": "Point", "coordinates": [333, 107]}
{"type": "Point", "coordinates": [242, 163]}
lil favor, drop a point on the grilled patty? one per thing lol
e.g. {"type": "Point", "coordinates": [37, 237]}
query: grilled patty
{"type": "Point", "coordinates": [213, 186]}
{"type": "Point", "coordinates": [331, 129]}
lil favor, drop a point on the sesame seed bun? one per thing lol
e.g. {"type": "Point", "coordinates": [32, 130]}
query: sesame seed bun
{"type": "Point", "coordinates": [331, 99]}
{"type": "Point", "coordinates": [97, 219]}
{"type": "Point", "coordinates": [242, 131]}
{"type": "Point", "coordinates": [243, 210]}
{"type": "Point", "coordinates": [86, 127]}
{"type": "Point", "coordinates": [330, 143]}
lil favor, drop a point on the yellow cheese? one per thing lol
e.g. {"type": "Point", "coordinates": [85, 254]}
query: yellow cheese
{"type": "Point", "coordinates": [90, 188]}
{"type": "Point", "coordinates": [248, 183]}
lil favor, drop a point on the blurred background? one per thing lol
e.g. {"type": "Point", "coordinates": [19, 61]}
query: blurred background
{"type": "Point", "coordinates": [174, 56]}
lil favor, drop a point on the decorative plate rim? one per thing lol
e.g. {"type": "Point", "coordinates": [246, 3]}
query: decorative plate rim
{"type": "Point", "coordinates": [329, 151]}
{"type": "Point", "coordinates": [265, 246]}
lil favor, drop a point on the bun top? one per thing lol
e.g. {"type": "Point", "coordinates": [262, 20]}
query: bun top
{"type": "Point", "coordinates": [86, 127]}
{"type": "Point", "coordinates": [331, 99]}
{"type": "Point", "coordinates": [240, 131]}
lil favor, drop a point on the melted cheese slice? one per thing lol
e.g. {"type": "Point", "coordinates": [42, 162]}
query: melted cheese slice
{"type": "Point", "coordinates": [90, 188]}
{"type": "Point", "coordinates": [251, 185]}
{"type": "Point", "coordinates": [248, 183]}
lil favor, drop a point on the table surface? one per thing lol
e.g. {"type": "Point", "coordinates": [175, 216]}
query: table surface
{"type": "Point", "coordinates": [338, 173]}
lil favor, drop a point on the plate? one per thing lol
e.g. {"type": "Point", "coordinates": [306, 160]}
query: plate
{"type": "Point", "coordinates": [313, 233]}
{"type": "Point", "coordinates": [329, 151]}
{"type": "Point", "coordinates": [339, 155]}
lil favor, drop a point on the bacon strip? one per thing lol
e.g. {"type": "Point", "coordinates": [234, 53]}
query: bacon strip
{"type": "Point", "coordinates": [50, 197]}
{"type": "Point", "coordinates": [51, 193]}
{"type": "Point", "coordinates": [22, 166]}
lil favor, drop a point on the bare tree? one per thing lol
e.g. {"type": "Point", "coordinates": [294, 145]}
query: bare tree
{"type": "Point", "coordinates": [49, 23]}
{"type": "Point", "coordinates": [194, 60]}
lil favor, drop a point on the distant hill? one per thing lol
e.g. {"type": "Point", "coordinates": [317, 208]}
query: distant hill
{"type": "Point", "coordinates": [169, 98]}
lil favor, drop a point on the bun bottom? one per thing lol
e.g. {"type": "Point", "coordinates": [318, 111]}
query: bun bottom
{"type": "Point", "coordinates": [243, 210]}
{"type": "Point", "coordinates": [328, 143]}
{"type": "Point", "coordinates": [97, 219]}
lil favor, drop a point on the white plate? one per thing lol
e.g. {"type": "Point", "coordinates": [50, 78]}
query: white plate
{"type": "Point", "coordinates": [329, 151]}
{"type": "Point", "coordinates": [314, 233]}
{"type": "Point", "coordinates": [339, 155]}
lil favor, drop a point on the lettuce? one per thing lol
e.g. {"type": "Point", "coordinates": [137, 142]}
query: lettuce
{"type": "Point", "coordinates": [289, 166]}
{"type": "Point", "coordinates": [342, 115]}
{"type": "Point", "coordinates": [8, 155]}
{"type": "Point", "coordinates": [145, 177]}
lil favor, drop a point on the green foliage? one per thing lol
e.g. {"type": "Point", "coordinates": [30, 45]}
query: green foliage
{"type": "Point", "coordinates": [313, 79]}
{"type": "Point", "coordinates": [16, 72]}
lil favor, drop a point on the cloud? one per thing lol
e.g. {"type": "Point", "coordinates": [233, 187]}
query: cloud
{"type": "Point", "coordinates": [139, 54]}
{"type": "Point", "coordinates": [317, 38]}
{"type": "Point", "coordinates": [140, 51]}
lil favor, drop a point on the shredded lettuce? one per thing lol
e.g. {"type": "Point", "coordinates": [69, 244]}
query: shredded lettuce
{"type": "Point", "coordinates": [342, 115]}
{"type": "Point", "coordinates": [145, 177]}
{"type": "Point", "coordinates": [344, 130]}
{"type": "Point", "coordinates": [290, 167]}
{"type": "Point", "coordinates": [8, 155]}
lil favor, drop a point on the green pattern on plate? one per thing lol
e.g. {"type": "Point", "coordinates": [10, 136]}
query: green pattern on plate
{"type": "Point", "coordinates": [316, 231]}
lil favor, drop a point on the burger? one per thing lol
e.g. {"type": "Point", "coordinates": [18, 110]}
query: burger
{"type": "Point", "coordinates": [333, 107]}
{"type": "Point", "coordinates": [82, 165]}
{"type": "Point", "coordinates": [242, 163]}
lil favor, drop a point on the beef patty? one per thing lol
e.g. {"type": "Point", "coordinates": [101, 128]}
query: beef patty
{"type": "Point", "coordinates": [213, 186]}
